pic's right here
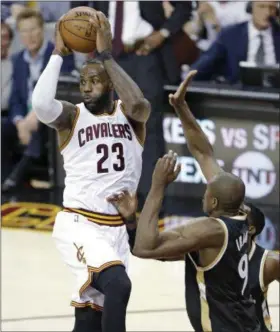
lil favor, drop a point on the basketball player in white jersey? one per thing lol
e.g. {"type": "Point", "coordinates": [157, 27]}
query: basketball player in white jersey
{"type": "Point", "coordinates": [101, 144]}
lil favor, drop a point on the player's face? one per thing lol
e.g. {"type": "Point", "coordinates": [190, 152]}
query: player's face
{"type": "Point", "coordinates": [262, 11]}
{"type": "Point", "coordinates": [94, 84]}
{"type": "Point", "coordinates": [31, 34]}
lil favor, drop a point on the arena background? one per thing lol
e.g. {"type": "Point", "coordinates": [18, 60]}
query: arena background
{"type": "Point", "coordinates": [244, 144]}
{"type": "Point", "coordinates": [242, 124]}
{"type": "Point", "coordinates": [157, 301]}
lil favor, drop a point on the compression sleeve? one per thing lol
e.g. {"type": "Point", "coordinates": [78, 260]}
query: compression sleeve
{"type": "Point", "coordinates": [46, 107]}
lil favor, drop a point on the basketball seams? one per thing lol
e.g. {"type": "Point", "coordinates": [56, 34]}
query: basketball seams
{"type": "Point", "coordinates": [64, 27]}
{"type": "Point", "coordinates": [74, 19]}
{"type": "Point", "coordinates": [76, 31]}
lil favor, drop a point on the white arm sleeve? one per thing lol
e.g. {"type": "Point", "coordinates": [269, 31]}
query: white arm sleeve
{"type": "Point", "coordinates": [45, 106]}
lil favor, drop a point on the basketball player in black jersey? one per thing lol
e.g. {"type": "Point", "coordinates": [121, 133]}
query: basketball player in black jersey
{"type": "Point", "coordinates": [216, 247]}
{"type": "Point", "coordinates": [264, 267]}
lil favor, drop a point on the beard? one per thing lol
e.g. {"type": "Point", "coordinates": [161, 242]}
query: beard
{"type": "Point", "coordinates": [100, 104]}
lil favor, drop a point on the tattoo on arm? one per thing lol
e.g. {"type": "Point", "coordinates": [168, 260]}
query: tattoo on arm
{"type": "Point", "coordinates": [66, 119]}
{"type": "Point", "coordinates": [136, 106]}
{"type": "Point", "coordinates": [64, 123]}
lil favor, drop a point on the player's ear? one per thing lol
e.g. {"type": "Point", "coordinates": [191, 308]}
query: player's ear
{"type": "Point", "coordinates": [215, 202]}
{"type": "Point", "coordinates": [111, 86]}
{"type": "Point", "coordinates": [252, 230]}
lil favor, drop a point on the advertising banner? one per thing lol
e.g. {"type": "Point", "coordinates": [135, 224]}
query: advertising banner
{"type": "Point", "coordinates": [247, 148]}
{"type": "Point", "coordinates": [244, 147]}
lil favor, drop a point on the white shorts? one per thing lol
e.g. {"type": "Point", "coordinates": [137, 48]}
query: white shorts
{"type": "Point", "coordinates": [88, 248]}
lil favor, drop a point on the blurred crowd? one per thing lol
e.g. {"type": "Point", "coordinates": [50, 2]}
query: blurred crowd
{"type": "Point", "coordinates": [156, 42]}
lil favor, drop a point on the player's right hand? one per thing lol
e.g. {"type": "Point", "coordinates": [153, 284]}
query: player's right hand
{"type": "Point", "coordinates": [178, 98]}
{"type": "Point", "coordinates": [103, 32]}
{"type": "Point", "coordinates": [60, 46]}
{"type": "Point", "coordinates": [165, 171]}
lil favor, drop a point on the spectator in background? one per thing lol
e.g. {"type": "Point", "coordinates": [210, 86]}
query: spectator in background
{"type": "Point", "coordinates": [22, 124]}
{"type": "Point", "coordinates": [257, 40]}
{"type": "Point", "coordinates": [53, 10]}
{"type": "Point", "coordinates": [230, 12]}
{"type": "Point", "coordinates": [6, 66]}
{"type": "Point", "coordinates": [212, 16]}
{"type": "Point", "coordinates": [10, 10]}
{"type": "Point", "coordinates": [142, 45]}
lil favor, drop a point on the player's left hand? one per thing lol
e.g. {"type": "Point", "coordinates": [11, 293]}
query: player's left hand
{"type": "Point", "coordinates": [125, 203]}
{"type": "Point", "coordinates": [165, 171]}
{"type": "Point", "coordinates": [178, 98]}
{"type": "Point", "coordinates": [103, 32]}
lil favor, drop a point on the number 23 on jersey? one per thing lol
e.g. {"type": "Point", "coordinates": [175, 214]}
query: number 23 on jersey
{"type": "Point", "coordinates": [113, 153]}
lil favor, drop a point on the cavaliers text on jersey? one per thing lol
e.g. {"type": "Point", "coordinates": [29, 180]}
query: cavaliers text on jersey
{"type": "Point", "coordinates": [101, 157]}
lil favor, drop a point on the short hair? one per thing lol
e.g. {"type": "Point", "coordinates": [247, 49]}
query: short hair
{"type": "Point", "coordinates": [10, 31]}
{"type": "Point", "coordinates": [257, 217]}
{"type": "Point", "coordinates": [30, 13]}
{"type": "Point", "coordinates": [229, 189]}
{"type": "Point", "coordinates": [92, 61]}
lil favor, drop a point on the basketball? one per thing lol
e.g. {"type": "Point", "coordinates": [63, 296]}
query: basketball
{"type": "Point", "coordinates": [77, 32]}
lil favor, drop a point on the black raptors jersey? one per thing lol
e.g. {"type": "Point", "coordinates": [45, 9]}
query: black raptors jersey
{"type": "Point", "coordinates": [257, 259]}
{"type": "Point", "coordinates": [218, 296]}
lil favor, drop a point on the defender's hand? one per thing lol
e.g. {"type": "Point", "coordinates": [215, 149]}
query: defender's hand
{"type": "Point", "coordinates": [60, 47]}
{"type": "Point", "coordinates": [178, 98]}
{"type": "Point", "coordinates": [125, 203]}
{"type": "Point", "coordinates": [103, 31]}
{"type": "Point", "coordinates": [165, 171]}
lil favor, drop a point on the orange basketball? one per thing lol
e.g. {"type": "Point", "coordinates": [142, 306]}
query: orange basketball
{"type": "Point", "coordinates": [77, 32]}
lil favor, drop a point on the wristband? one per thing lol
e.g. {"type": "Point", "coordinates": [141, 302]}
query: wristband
{"type": "Point", "coordinates": [131, 220]}
{"type": "Point", "coordinates": [131, 237]}
{"type": "Point", "coordinates": [56, 52]}
{"type": "Point", "coordinates": [105, 55]}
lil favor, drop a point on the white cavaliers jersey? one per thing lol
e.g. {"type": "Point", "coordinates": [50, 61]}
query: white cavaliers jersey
{"type": "Point", "coordinates": [102, 157]}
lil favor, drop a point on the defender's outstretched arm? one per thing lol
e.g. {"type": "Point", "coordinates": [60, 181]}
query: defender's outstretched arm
{"type": "Point", "coordinates": [197, 234]}
{"type": "Point", "coordinates": [198, 143]}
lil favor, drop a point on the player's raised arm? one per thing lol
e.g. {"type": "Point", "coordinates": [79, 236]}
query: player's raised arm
{"type": "Point", "coordinates": [272, 268]}
{"type": "Point", "coordinates": [197, 141]}
{"type": "Point", "coordinates": [54, 113]}
{"type": "Point", "coordinates": [136, 106]}
{"type": "Point", "coordinates": [197, 234]}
